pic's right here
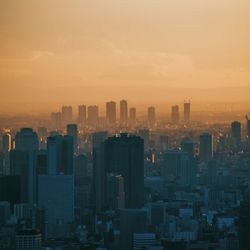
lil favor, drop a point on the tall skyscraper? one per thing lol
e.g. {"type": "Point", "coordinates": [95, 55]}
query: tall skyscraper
{"type": "Point", "coordinates": [111, 113]}
{"type": "Point", "coordinates": [206, 147]}
{"type": "Point", "coordinates": [236, 132]}
{"type": "Point", "coordinates": [82, 115]}
{"type": "Point", "coordinates": [98, 170]}
{"type": "Point", "coordinates": [73, 131]}
{"type": "Point", "coordinates": [93, 116]}
{"type": "Point", "coordinates": [67, 114]}
{"type": "Point", "coordinates": [26, 140]}
{"type": "Point", "coordinates": [175, 116]}
{"type": "Point", "coordinates": [124, 155]}
{"type": "Point", "coordinates": [60, 153]}
{"type": "Point", "coordinates": [123, 113]}
{"type": "Point", "coordinates": [187, 112]}
{"type": "Point", "coordinates": [56, 120]}
{"type": "Point", "coordinates": [6, 143]}
{"type": "Point", "coordinates": [151, 117]}
{"type": "Point", "coordinates": [132, 117]}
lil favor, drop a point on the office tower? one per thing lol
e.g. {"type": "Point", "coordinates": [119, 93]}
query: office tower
{"type": "Point", "coordinates": [131, 221]}
{"type": "Point", "coordinates": [82, 183]}
{"type": "Point", "coordinates": [56, 196]}
{"type": "Point", "coordinates": [124, 155]}
{"type": "Point", "coordinates": [98, 170]}
{"type": "Point", "coordinates": [175, 116]}
{"type": "Point", "coordinates": [123, 113]}
{"type": "Point", "coordinates": [23, 163]}
{"type": "Point", "coordinates": [244, 224]}
{"type": "Point", "coordinates": [5, 213]}
{"type": "Point", "coordinates": [6, 143]}
{"type": "Point", "coordinates": [164, 141]}
{"type": "Point", "coordinates": [236, 132]}
{"type": "Point", "coordinates": [41, 162]}
{"type": "Point", "coordinates": [132, 117]}
{"type": "Point", "coordinates": [60, 152]}
{"type": "Point", "coordinates": [151, 117]}
{"type": "Point", "coordinates": [93, 116]}
{"type": "Point", "coordinates": [82, 115]}
{"type": "Point", "coordinates": [56, 120]}
{"type": "Point", "coordinates": [179, 167]}
{"type": "Point", "coordinates": [115, 192]}
{"type": "Point", "coordinates": [248, 130]}
{"type": "Point", "coordinates": [28, 239]}
{"type": "Point", "coordinates": [26, 140]}
{"type": "Point", "coordinates": [111, 113]}
{"type": "Point", "coordinates": [188, 146]}
{"type": "Point", "coordinates": [10, 189]}
{"type": "Point", "coordinates": [206, 147]}
{"type": "Point", "coordinates": [73, 131]}
{"type": "Point", "coordinates": [187, 112]}
{"type": "Point", "coordinates": [67, 114]}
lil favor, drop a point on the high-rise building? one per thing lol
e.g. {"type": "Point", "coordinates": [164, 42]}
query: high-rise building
{"type": "Point", "coordinates": [123, 113]}
{"type": "Point", "coordinates": [124, 155]}
{"type": "Point", "coordinates": [82, 115]}
{"type": "Point", "coordinates": [187, 112]}
{"type": "Point", "coordinates": [132, 117]}
{"type": "Point", "coordinates": [6, 143]}
{"type": "Point", "coordinates": [131, 221]}
{"type": "Point", "coordinates": [67, 114]}
{"type": "Point", "coordinates": [98, 170]}
{"type": "Point", "coordinates": [111, 113]}
{"type": "Point", "coordinates": [179, 167]}
{"type": "Point", "coordinates": [188, 146]}
{"type": "Point", "coordinates": [28, 239]}
{"type": "Point", "coordinates": [60, 151]}
{"type": "Point", "coordinates": [206, 147]}
{"type": "Point", "coordinates": [73, 131]}
{"type": "Point", "coordinates": [56, 120]}
{"type": "Point", "coordinates": [26, 140]}
{"type": "Point", "coordinates": [93, 116]}
{"type": "Point", "coordinates": [244, 225]}
{"type": "Point", "coordinates": [236, 132]}
{"type": "Point", "coordinates": [151, 117]}
{"type": "Point", "coordinates": [175, 116]}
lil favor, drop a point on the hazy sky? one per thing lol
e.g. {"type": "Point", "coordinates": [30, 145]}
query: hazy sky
{"type": "Point", "coordinates": [96, 50]}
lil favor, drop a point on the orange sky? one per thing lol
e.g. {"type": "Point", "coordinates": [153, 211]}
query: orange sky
{"type": "Point", "coordinates": [61, 51]}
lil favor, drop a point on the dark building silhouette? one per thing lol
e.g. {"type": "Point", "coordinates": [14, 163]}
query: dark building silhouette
{"type": "Point", "coordinates": [206, 147]}
{"type": "Point", "coordinates": [123, 113]}
{"type": "Point", "coordinates": [175, 116]}
{"type": "Point", "coordinates": [111, 113]}
{"type": "Point", "coordinates": [187, 112]}
{"type": "Point", "coordinates": [151, 117]}
{"type": "Point", "coordinates": [188, 146]}
{"type": "Point", "coordinates": [236, 132]}
{"type": "Point", "coordinates": [72, 130]}
{"type": "Point", "coordinates": [124, 155]}
{"type": "Point", "coordinates": [82, 115]}
{"type": "Point", "coordinates": [60, 152]}
{"type": "Point", "coordinates": [244, 225]}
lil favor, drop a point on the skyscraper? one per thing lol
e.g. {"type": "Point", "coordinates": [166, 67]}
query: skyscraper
{"type": "Point", "coordinates": [151, 117]}
{"type": "Point", "coordinates": [206, 147]}
{"type": "Point", "coordinates": [111, 113]}
{"type": "Point", "coordinates": [67, 114]}
{"type": "Point", "coordinates": [124, 155]}
{"type": "Point", "coordinates": [236, 132]}
{"type": "Point", "coordinates": [132, 117]}
{"type": "Point", "coordinates": [187, 112]}
{"type": "Point", "coordinates": [93, 116]}
{"type": "Point", "coordinates": [73, 131]}
{"type": "Point", "coordinates": [175, 116]}
{"type": "Point", "coordinates": [82, 115]}
{"type": "Point", "coordinates": [60, 153]}
{"type": "Point", "coordinates": [123, 113]}
{"type": "Point", "coordinates": [6, 143]}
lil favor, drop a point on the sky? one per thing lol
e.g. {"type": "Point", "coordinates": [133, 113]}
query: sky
{"type": "Point", "coordinates": [146, 51]}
